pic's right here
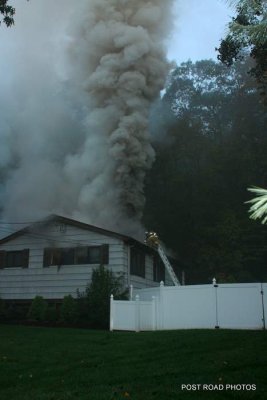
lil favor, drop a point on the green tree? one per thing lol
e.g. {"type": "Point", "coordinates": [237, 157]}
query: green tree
{"type": "Point", "coordinates": [8, 12]}
{"type": "Point", "coordinates": [248, 32]}
{"type": "Point", "coordinates": [38, 309]}
{"type": "Point", "coordinates": [258, 209]}
{"type": "Point", "coordinates": [94, 303]}
{"type": "Point", "coordinates": [209, 150]}
{"type": "Point", "coordinates": [68, 311]}
{"type": "Point", "coordinates": [2, 309]}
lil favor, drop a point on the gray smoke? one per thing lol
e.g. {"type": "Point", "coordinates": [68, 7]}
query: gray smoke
{"type": "Point", "coordinates": [74, 116]}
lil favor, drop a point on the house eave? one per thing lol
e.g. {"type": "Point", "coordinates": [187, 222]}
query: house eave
{"type": "Point", "coordinates": [68, 221]}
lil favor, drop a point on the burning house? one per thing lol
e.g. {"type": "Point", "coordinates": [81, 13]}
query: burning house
{"type": "Point", "coordinates": [56, 256]}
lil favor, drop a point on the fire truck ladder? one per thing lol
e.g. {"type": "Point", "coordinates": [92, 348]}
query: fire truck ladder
{"type": "Point", "coordinates": [152, 240]}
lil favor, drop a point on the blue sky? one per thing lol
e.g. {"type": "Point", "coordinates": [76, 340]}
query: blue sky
{"type": "Point", "coordinates": [199, 26]}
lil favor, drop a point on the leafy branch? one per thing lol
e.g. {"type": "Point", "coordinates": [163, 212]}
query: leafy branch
{"type": "Point", "coordinates": [8, 13]}
{"type": "Point", "coordinates": [258, 209]}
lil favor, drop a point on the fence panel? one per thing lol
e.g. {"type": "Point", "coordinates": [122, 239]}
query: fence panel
{"type": "Point", "coordinates": [132, 315]}
{"type": "Point", "coordinates": [187, 307]}
{"type": "Point", "coordinates": [146, 316]}
{"type": "Point", "coordinates": [123, 315]}
{"type": "Point", "coordinates": [229, 306]}
{"type": "Point", "coordinates": [240, 306]}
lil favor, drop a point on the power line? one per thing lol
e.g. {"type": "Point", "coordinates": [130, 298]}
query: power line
{"type": "Point", "coordinates": [56, 240]}
{"type": "Point", "coordinates": [80, 244]}
{"type": "Point", "coordinates": [21, 223]}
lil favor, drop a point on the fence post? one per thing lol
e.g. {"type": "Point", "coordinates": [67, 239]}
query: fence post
{"type": "Point", "coordinates": [137, 313]}
{"type": "Point", "coordinates": [111, 318]}
{"type": "Point", "coordinates": [131, 292]}
{"type": "Point", "coordinates": [161, 305]}
{"type": "Point", "coordinates": [183, 278]}
{"type": "Point", "coordinates": [154, 313]}
{"type": "Point", "coordinates": [263, 310]}
{"type": "Point", "coordinates": [214, 282]}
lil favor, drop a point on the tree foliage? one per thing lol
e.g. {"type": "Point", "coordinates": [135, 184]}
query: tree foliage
{"type": "Point", "coordinates": [211, 142]}
{"type": "Point", "coordinates": [68, 311]}
{"type": "Point", "coordinates": [38, 309]}
{"type": "Point", "coordinates": [7, 12]}
{"type": "Point", "coordinates": [258, 209]}
{"type": "Point", "coordinates": [248, 31]}
{"type": "Point", "coordinates": [94, 303]}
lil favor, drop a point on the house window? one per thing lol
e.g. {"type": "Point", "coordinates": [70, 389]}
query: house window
{"type": "Point", "coordinates": [81, 255]}
{"type": "Point", "coordinates": [67, 256]}
{"type": "Point", "coordinates": [14, 259]}
{"type": "Point", "coordinates": [137, 262]}
{"type": "Point", "coordinates": [158, 269]}
{"type": "Point", "coordinates": [94, 255]}
{"type": "Point", "coordinates": [76, 255]}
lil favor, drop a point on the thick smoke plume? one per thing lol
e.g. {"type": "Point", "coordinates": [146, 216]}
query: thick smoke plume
{"type": "Point", "coordinates": [74, 126]}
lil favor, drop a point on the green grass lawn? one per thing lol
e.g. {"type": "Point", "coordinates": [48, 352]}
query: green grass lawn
{"type": "Point", "coordinates": [60, 364]}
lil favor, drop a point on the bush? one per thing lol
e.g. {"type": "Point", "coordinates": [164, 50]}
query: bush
{"type": "Point", "coordinates": [52, 313]}
{"type": "Point", "coordinates": [38, 309]}
{"type": "Point", "coordinates": [2, 310]}
{"type": "Point", "coordinates": [68, 311]}
{"type": "Point", "coordinates": [14, 311]}
{"type": "Point", "coordinates": [94, 303]}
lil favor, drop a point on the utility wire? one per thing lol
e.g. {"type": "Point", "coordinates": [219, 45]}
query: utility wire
{"type": "Point", "coordinates": [54, 239]}
{"type": "Point", "coordinates": [21, 223]}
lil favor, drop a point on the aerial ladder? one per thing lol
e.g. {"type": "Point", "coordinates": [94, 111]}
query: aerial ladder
{"type": "Point", "coordinates": [152, 240]}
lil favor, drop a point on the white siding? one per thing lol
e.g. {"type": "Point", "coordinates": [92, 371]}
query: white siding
{"type": "Point", "coordinates": [140, 283]}
{"type": "Point", "coordinates": [55, 282]}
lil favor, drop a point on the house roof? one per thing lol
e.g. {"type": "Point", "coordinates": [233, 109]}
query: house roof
{"type": "Point", "coordinates": [53, 218]}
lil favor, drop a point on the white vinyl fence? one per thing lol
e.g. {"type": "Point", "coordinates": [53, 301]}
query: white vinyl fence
{"type": "Point", "coordinates": [229, 306]}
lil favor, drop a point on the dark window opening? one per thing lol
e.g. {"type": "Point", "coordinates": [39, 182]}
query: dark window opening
{"type": "Point", "coordinates": [158, 269]}
{"type": "Point", "coordinates": [94, 255]}
{"type": "Point", "coordinates": [137, 262]}
{"type": "Point", "coordinates": [67, 256]}
{"type": "Point", "coordinates": [81, 255]}
{"type": "Point", "coordinates": [14, 259]}
{"type": "Point", "coordinates": [76, 255]}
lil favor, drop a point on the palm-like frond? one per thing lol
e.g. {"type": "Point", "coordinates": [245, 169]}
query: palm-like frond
{"type": "Point", "coordinates": [258, 209]}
